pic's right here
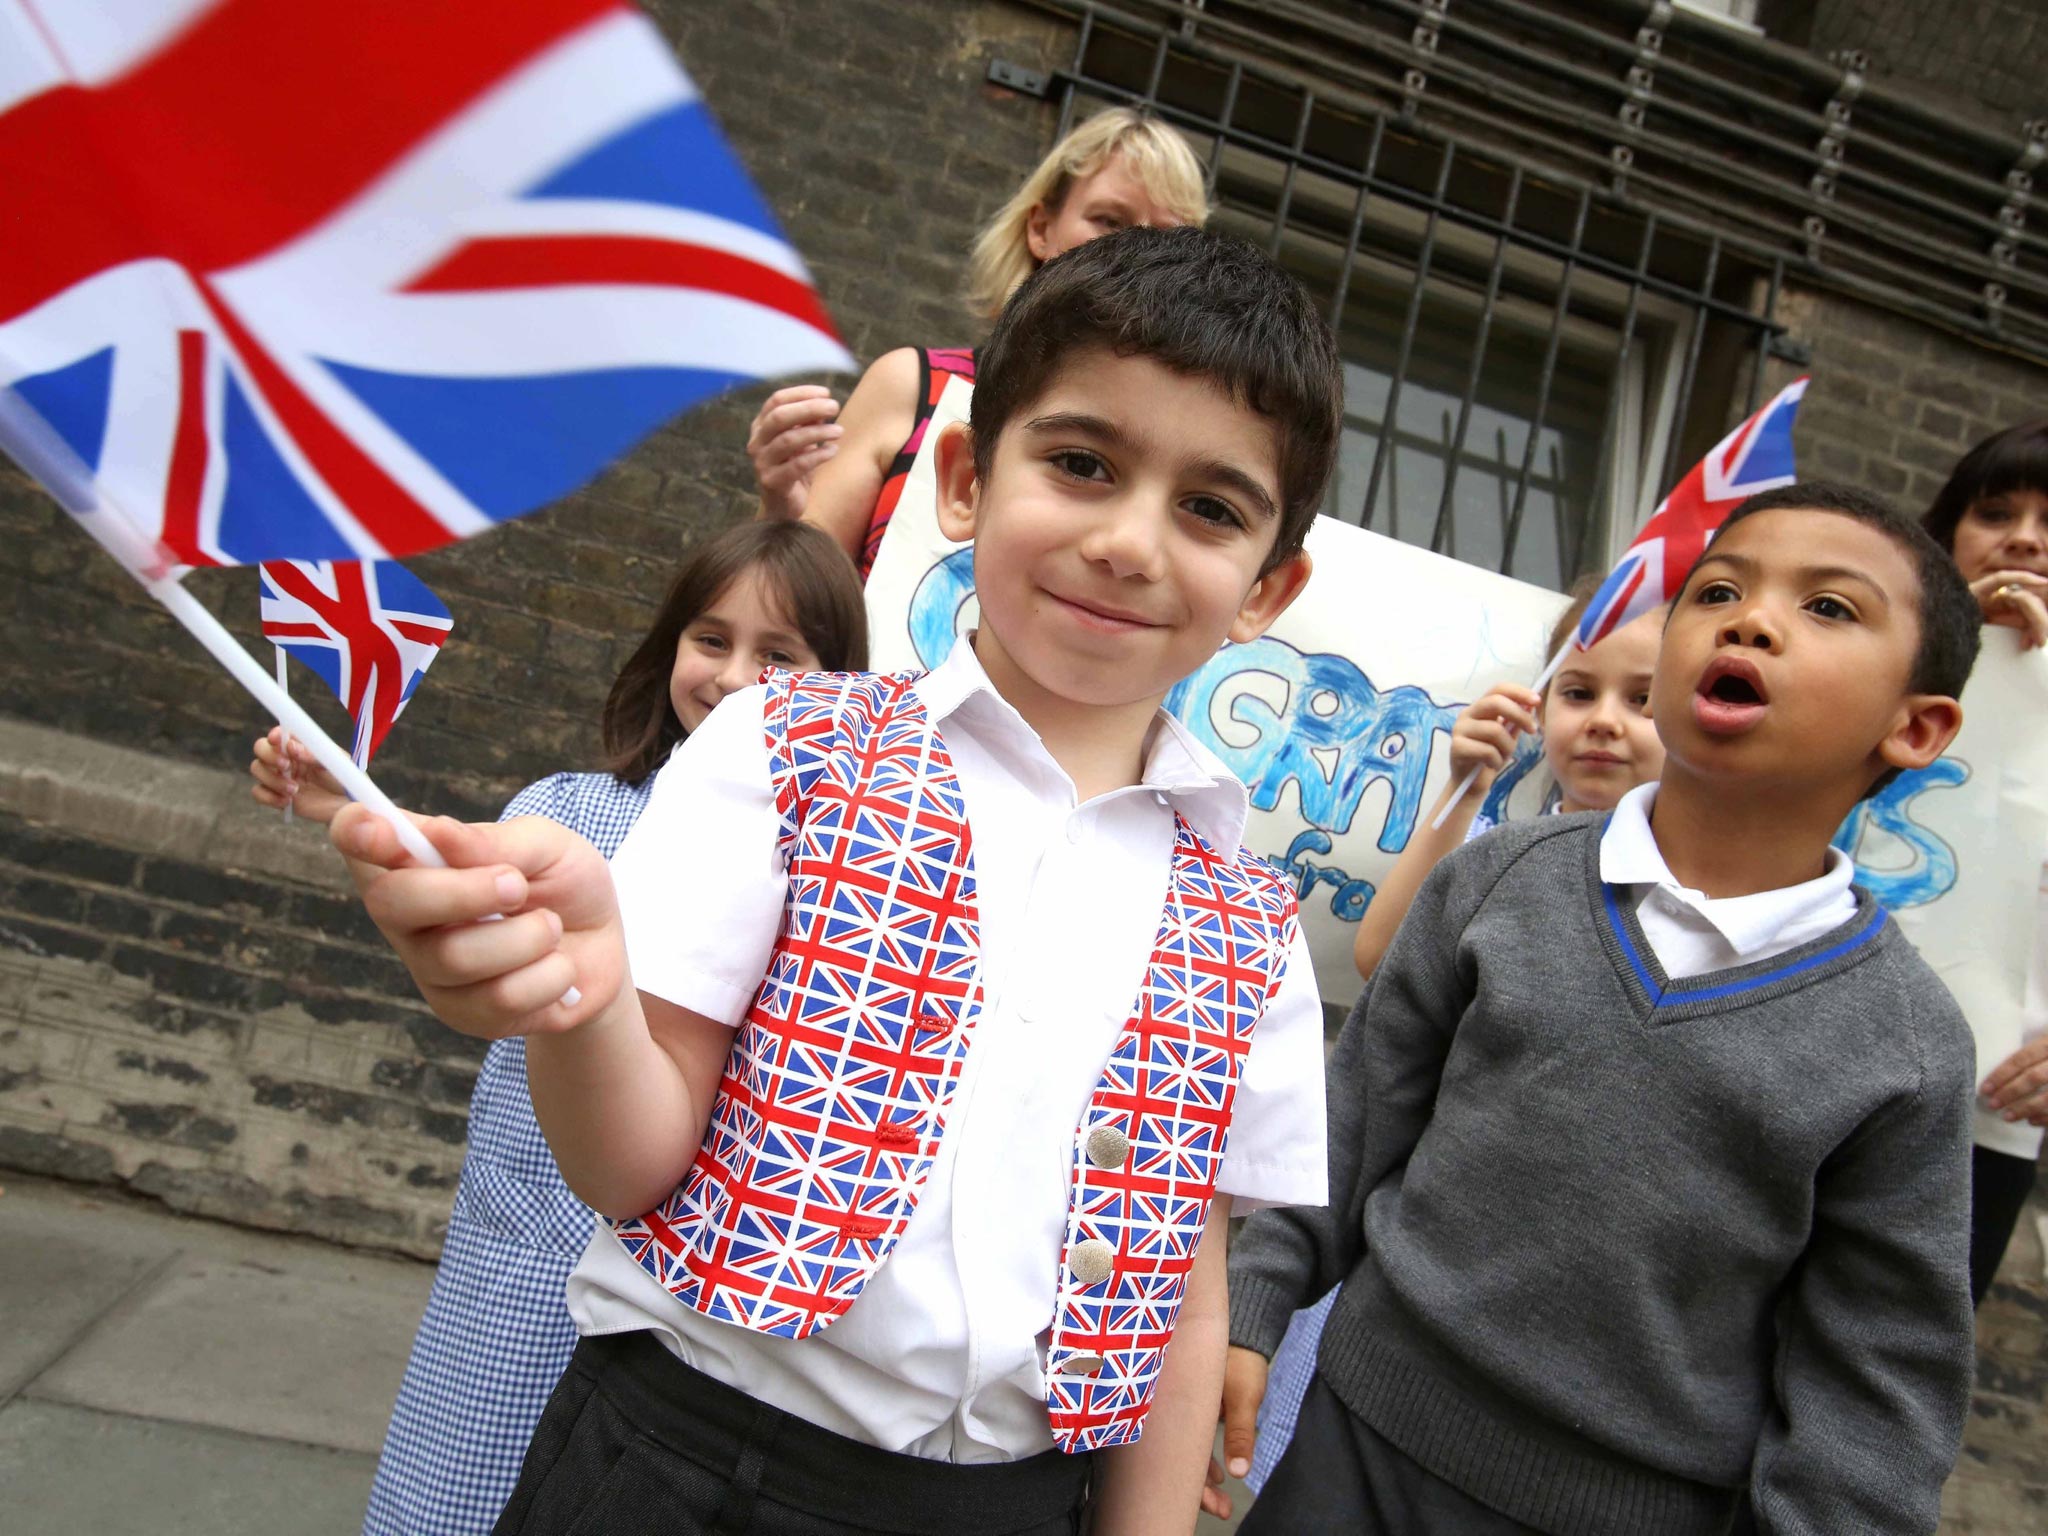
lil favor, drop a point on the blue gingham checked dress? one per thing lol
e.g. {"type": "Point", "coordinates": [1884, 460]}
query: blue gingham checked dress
{"type": "Point", "coordinates": [497, 1332]}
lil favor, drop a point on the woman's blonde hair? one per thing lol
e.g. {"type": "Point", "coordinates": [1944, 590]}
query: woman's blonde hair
{"type": "Point", "coordinates": [1158, 157]}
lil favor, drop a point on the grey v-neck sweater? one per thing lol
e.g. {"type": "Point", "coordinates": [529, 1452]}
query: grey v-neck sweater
{"type": "Point", "coordinates": [1615, 1247]}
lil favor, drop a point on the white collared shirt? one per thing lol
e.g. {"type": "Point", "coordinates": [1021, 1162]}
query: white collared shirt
{"type": "Point", "coordinates": [940, 1355]}
{"type": "Point", "coordinates": [1693, 933]}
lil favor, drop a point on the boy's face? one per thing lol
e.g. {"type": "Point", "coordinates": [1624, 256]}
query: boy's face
{"type": "Point", "coordinates": [1120, 533]}
{"type": "Point", "coordinates": [1787, 657]}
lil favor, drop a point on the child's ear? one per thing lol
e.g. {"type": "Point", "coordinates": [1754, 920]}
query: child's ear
{"type": "Point", "coordinates": [958, 487]}
{"type": "Point", "coordinates": [1270, 596]}
{"type": "Point", "coordinates": [1926, 724]}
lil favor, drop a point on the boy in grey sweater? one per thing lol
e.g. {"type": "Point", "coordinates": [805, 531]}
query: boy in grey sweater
{"type": "Point", "coordinates": [1649, 1142]}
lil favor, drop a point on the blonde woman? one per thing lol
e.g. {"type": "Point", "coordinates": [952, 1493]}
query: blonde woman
{"type": "Point", "coordinates": [844, 475]}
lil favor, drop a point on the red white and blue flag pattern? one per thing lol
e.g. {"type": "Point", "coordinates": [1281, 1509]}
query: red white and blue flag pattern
{"type": "Point", "coordinates": [835, 1092]}
{"type": "Point", "coordinates": [1172, 1075]}
{"type": "Point", "coordinates": [835, 1095]}
{"type": "Point", "coordinates": [369, 628]}
{"type": "Point", "coordinates": [1756, 456]}
{"type": "Point", "coordinates": [316, 280]}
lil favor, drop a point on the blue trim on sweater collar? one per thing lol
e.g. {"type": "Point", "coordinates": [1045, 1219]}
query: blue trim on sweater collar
{"type": "Point", "coordinates": [1680, 993]}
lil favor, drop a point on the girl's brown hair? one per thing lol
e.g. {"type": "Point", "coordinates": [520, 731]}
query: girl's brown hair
{"type": "Point", "coordinates": [812, 581]}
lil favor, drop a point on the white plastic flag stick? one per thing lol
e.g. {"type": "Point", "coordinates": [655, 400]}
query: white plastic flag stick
{"type": "Point", "coordinates": [1549, 671]}
{"type": "Point", "coordinates": [27, 439]}
{"type": "Point", "coordinates": [285, 747]}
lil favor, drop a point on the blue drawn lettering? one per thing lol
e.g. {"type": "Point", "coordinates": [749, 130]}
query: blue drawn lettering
{"type": "Point", "coordinates": [1528, 757]}
{"type": "Point", "coordinates": [1932, 872]}
{"type": "Point", "coordinates": [938, 608]}
{"type": "Point", "coordinates": [1349, 897]}
{"type": "Point", "coordinates": [1333, 736]}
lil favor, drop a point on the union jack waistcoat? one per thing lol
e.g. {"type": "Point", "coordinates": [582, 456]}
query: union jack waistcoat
{"type": "Point", "coordinates": [835, 1095]}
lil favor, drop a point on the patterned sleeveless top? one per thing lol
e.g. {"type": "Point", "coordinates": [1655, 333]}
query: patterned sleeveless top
{"type": "Point", "coordinates": [836, 1094]}
{"type": "Point", "coordinates": [936, 365]}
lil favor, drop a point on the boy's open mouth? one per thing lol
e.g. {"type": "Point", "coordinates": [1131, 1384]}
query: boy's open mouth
{"type": "Point", "coordinates": [1731, 696]}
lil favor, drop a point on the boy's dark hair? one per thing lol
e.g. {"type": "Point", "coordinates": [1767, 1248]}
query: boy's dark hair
{"type": "Point", "coordinates": [1949, 616]}
{"type": "Point", "coordinates": [816, 587]}
{"type": "Point", "coordinates": [2013, 460]}
{"type": "Point", "coordinates": [1199, 303]}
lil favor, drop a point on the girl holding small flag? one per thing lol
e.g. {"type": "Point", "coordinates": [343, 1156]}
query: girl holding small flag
{"type": "Point", "coordinates": [497, 1331]}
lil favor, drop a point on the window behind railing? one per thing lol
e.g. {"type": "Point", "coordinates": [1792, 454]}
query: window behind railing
{"type": "Point", "coordinates": [1533, 354]}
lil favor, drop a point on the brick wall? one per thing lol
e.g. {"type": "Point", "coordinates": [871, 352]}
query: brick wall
{"type": "Point", "coordinates": [1979, 57]}
{"type": "Point", "coordinates": [192, 1003]}
{"type": "Point", "coordinates": [1894, 403]}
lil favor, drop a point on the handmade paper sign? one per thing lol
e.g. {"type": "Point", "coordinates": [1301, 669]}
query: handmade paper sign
{"type": "Point", "coordinates": [1955, 852]}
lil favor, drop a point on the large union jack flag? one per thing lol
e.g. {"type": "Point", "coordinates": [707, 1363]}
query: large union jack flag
{"type": "Point", "coordinates": [309, 279]}
{"type": "Point", "coordinates": [1756, 456]}
{"type": "Point", "coordinates": [369, 628]}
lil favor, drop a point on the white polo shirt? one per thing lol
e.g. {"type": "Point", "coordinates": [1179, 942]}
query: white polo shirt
{"type": "Point", "coordinates": [940, 1356]}
{"type": "Point", "coordinates": [1693, 933]}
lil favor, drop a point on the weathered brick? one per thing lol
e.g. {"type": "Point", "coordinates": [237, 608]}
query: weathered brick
{"type": "Point", "coordinates": [53, 853]}
{"type": "Point", "coordinates": [179, 1124]}
{"type": "Point", "coordinates": [59, 1156]}
{"type": "Point", "coordinates": [332, 917]}
{"type": "Point", "coordinates": [196, 980]}
{"type": "Point", "coordinates": [163, 1066]}
{"type": "Point", "coordinates": [1943, 424]}
{"type": "Point", "coordinates": [42, 940]}
{"type": "Point", "coordinates": [48, 900]}
{"type": "Point", "coordinates": [111, 914]}
{"type": "Point", "coordinates": [214, 889]}
{"type": "Point", "coordinates": [327, 1104]}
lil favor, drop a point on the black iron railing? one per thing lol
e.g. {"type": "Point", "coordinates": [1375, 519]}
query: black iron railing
{"type": "Point", "coordinates": [1581, 193]}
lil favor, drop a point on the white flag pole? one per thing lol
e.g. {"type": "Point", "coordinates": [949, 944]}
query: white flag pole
{"type": "Point", "coordinates": [285, 747]}
{"type": "Point", "coordinates": [1549, 671]}
{"type": "Point", "coordinates": [29, 441]}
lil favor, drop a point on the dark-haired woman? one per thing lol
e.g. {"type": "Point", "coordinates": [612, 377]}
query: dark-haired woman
{"type": "Point", "coordinates": [1993, 517]}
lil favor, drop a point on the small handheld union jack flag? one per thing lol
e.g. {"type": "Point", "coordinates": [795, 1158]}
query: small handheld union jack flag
{"type": "Point", "coordinates": [370, 629]}
{"type": "Point", "coordinates": [1756, 456]}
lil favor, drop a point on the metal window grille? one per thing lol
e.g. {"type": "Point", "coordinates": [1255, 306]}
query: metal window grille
{"type": "Point", "coordinates": [1534, 353]}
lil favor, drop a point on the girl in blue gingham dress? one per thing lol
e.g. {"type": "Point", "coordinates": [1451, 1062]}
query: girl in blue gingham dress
{"type": "Point", "coordinates": [497, 1332]}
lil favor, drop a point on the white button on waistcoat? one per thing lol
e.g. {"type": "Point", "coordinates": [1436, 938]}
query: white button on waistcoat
{"type": "Point", "coordinates": [1092, 1261]}
{"type": "Point", "coordinates": [1108, 1147]}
